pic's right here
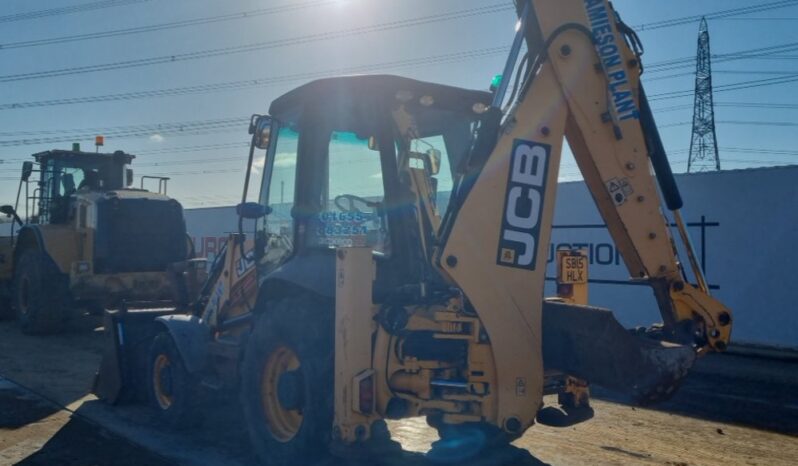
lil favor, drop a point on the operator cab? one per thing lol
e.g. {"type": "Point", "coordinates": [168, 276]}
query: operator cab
{"type": "Point", "coordinates": [66, 173]}
{"type": "Point", "coordinates": [366, 161]}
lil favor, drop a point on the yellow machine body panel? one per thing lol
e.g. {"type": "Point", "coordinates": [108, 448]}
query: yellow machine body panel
{"type": "Point", "coordinates": [63, 244]}
{"type": "Point", "coordinates": [506, 285]}
{"type": "Point", "coordinates": [236, 288]}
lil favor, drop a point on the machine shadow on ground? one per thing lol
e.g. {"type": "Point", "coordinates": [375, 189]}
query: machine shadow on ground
{"type": "Point", "coordinates": [220, 431]}
{"type": "Point", "coordinates": [79, 443]}
{"type": "Point", "coordinates": [20, 409]}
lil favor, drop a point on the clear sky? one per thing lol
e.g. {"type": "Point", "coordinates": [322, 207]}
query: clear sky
{"type": "Point", "coordinates": [756, 125]}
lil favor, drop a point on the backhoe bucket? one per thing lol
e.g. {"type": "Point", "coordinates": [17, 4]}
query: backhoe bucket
{"type": "Point", "coordinates": [128, 336]}
{"type": "Point", "coordinates": [588, 343]}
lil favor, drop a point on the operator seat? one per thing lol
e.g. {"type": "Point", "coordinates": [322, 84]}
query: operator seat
{"type": "Point", "coordinates": [91, 181]}
{"type": "Point", "coordinates": [59, 206]}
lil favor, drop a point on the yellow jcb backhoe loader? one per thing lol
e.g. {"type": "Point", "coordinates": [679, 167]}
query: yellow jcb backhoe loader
{"type": "Point", "coordinates": [399, 254]}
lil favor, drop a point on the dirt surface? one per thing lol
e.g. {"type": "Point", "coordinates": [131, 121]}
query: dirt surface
{"type": "Point", "coordinates": [731, 410]}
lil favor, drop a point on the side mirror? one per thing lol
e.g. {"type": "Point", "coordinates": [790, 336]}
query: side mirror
{"type": "Point", "coordinates": [11, 212]}
{"type": "Point", "coordinates": [27, 169]}
{"type": "Point", "coordinates": [252, 210]}
{"type": "Point", "coordinates": [128, 177]}
{"type": "Point", "coordinates": [260, 127]}
{"type": "Point", "coordinates": [434, 161]}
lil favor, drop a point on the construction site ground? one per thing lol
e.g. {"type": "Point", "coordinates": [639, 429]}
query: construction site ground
{"type": "Point", "coordinates": [732, 410]}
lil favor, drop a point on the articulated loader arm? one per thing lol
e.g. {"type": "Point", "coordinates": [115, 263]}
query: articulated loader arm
{"type": "Point", "coordinates": [581, 82]}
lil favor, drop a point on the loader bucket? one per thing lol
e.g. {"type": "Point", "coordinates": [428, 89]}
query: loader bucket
{"type": "Point", "coordinates": [128, 336]}
{"type": "Point", "coordinates": [588, 343]}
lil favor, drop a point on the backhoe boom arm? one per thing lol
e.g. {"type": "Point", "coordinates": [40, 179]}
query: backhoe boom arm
{"type": "Point", "coordinates": [582, 83]}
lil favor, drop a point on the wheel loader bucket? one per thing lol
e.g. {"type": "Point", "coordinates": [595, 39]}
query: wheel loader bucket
{"type": "Point", "coordinates": [128, 336]}
{"type": "Point", "coordinates": [588, 343]}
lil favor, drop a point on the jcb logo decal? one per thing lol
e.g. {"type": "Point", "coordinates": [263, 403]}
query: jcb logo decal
{"type": "Point", "coordinates": [523, 205]}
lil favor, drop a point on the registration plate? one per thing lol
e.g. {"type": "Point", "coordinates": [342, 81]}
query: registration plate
{"type": "Point", "coordinates": [573, 269]}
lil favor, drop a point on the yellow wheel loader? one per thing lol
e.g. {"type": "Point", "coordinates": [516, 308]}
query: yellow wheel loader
{"type": "Point", "coordinates": [83, 238]}
{"type": "Point", "coordinates": [397, 258]}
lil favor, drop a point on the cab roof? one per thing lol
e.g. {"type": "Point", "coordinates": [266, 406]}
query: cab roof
{"type": "Point", "coordinates": [354, 99]}
{"type": "Point", "coordinates": [71, 156]}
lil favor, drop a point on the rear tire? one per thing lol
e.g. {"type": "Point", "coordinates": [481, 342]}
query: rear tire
{"type": "Point", "coordinates": [287, 382]}
{"type": "Point", "coordinates": [170, 387]}
{"type": "Point", "coordinates": [41, 294]}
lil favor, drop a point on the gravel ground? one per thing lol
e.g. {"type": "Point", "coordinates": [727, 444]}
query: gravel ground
{"type": "Point", "coordinates": [731, 410]}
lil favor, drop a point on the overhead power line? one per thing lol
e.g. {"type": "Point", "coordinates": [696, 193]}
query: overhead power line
{"type": "Point", "coordinates": [772, 57]}
{"type": "Point", "coordinates": [262, 81]}
{"type": "Point", "coordinates": [227, 159]}
{"type": "Point", "coordinates": [152, 127]}
{"type": "Point", "coordinates": [293, 7]}
{"type": "Point", "coordinates": [166, 26]}
{"type": "Point", "coordinates": [195, 148]}
{"type": "Point", "coordinates": [221, 159]}
{"type": "Point", "coordinates": [728, 87]}
{"type": "Point", "coordinates": [195, 172]}
{"type": "Point", "coordinates": [274, 80]}
{"type": "Point", "coordinates": [760, 105]}
{"type": "Point", "coordinates": [66, 10]}
{"type": "Point", "coordinates": [748, 72]}
{"type": "Point", "coordinates": [756, 150]}
{"type": "Point", "coordinates": [133, 131]}
{"type": "Point", "coordinates": [737, 122]}
{"type": "Point", "coordinates": [786, 18]}
{"type": "Point", "coordinates": [759, 123]}
{"type": "Point", "coordinates": [716, 15]}
{"type": "Point", "coordinates": [745, 150]}
{"type": "Point", "coordinates": [758, 53]}
{"type": "Point", "coordinates": [393, 25]}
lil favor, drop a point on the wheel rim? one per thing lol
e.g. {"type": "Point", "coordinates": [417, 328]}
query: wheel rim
{"type": "Point", "coordinates": [24, 294]}
{"type": "Point", "coordinates": [162, 381]}
{"type": "Point", "coordinates": [283, 423]}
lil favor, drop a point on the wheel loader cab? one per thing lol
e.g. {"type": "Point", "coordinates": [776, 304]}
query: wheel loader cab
{"type": "Point", "coordinates": [366, 161]}
{"type": "Point", "coordinates": [65, 173]}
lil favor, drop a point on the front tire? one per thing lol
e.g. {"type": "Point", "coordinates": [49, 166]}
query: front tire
{"type": "Point", "coordinates": [41, 294]}
{"type": "Point", "coordinates": [287, 382]}
{"type": "Point", "coordinates": [169, 384]}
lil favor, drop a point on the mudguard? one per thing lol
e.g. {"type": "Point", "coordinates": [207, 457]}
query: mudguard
{"type": "Point", "coordinates": [587, 342]}
{"type": "Point", "coordinates": [313, 270]}
{"type": "Point", "coordinates": [191, 337]}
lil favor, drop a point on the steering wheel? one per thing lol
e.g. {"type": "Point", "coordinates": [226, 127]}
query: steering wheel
{"type": "Point", "coordinates": [346, 202]}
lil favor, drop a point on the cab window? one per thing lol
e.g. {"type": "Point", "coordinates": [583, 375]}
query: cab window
{"type": "Point", "coordinates": [352, 213]}
{"type": "Point", "coordinates": [278, 184]}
